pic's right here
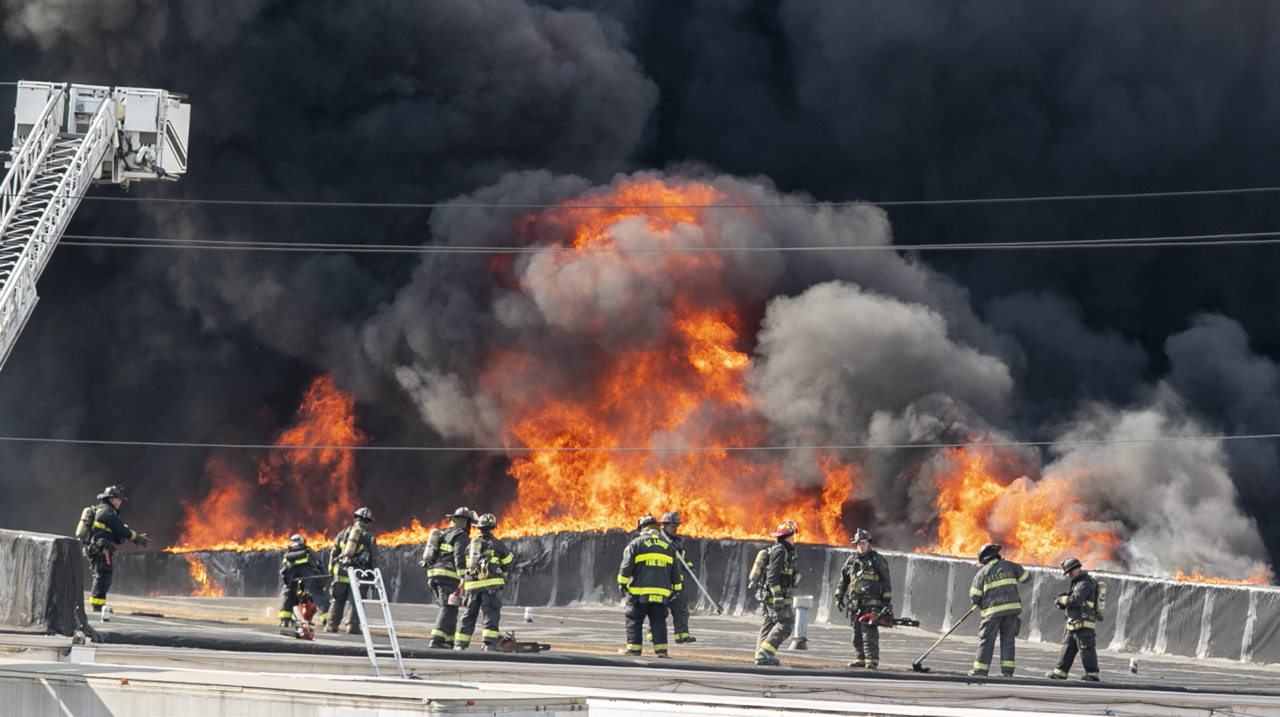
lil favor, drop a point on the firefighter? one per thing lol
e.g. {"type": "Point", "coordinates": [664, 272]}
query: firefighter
{"type": "Point", "coordinates": [1080, 602]}
{"type": "Point", "coordinates": [353, 548]}
{"type": "Point", "coordinates": [679, 604]}
{"type": "Point", "coordinates": [445, 559]}
{"type": "Point", "coordinates": [995, 592]}
{"type": "Point", "coordinates": [302, 574]}
{"type": "Point", "coordinates": [105, 534]}
{"type": "Point", "coordinates": [486, 568]}
{"type": "Point", "coordinates": [648, 578]}
{"type": "Point", "coordinates": [779, 578]}
{"type": "Point", "coordinates": [865, 592]}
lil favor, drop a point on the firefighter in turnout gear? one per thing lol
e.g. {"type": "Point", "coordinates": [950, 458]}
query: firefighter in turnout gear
{"type": "Point", "coordinates": [445, 559]}
{"type": "Point", "coordinates": [995, 592]}
{"type": "Point", "coordinates": [679, 604]}
{"type": "Point", "coordinates": [864, 593]}
{"type": "Point", "coordinates": [648, 578]}
{"type": "Point", "coordinates": [485, 576]}
{"type": "Point", "coordinates": [302, 574]}
{"type": "Point", "coordinates": [353, 548]}
{"type": "Point", "coordinates": [1080, 602]}
{"type": "Point", "coordinates": [780, 577]}
{"type": "Point", "coordinates": [106, 532]}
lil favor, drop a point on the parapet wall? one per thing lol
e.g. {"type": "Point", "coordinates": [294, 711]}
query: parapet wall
{"type": "Point", "coordinates": [42, 589]}
{"type": "Point", "coordinates": [1144, 615]}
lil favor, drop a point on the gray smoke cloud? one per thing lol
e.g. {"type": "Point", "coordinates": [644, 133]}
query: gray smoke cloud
{"type": "Point", "coordinates": [1161, 478]}
{"type": "Point", "coordinates": [872, 360]}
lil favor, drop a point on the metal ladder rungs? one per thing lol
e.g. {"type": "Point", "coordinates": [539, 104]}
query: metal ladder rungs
{"type": "Point", "coordinates": [376, 586]}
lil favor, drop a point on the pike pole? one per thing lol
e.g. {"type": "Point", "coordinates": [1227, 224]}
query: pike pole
{"type": "Point", "coordinates": [703, 588]}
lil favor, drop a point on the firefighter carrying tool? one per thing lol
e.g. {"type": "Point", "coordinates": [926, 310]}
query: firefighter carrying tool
{"type": "Point", "coordinates": [648, 578]}
{"type": "Point", "coordinates": [353, 548]}
{"type": "Point", "coordinates": [104, 533]}
{"type": "Point", "coordinates": [679, 603]}
{"type": "Point", "coordinates": [995, 591]}
{"type": "Point", "coordinates": [1082, 603]}
{"type": "Point", "coordinates": [780, 576]}
{"type": "Point", "coordinates": [445, 560]}
{"type": "Point", "coordinates": [303, 579]}
{"type": "Point", "coordinates": [865, 594]}
{"type": "Point", "coordinates": [486, 569]}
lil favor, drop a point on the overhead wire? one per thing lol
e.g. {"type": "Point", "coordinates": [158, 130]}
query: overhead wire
{"type": "Point", "coordinates": [655, 449]}
{"type": "Point", "coordinates": [314, 204]}
{"type": "Point", "coordinates": [1189, 240]}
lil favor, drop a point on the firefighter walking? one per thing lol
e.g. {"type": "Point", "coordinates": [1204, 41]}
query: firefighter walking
{"type": "Point", "coordinates": [353, 548]}
{"type": "Point", "coordinates": [995, 592]}
{"type": "Point", "coordinates": [445, 559]}
{"type": "Point", "coordinates": [486, 567]}
{"type": "Point", "coordinates": [679, 605]}
{"type": "Point", "coordinates": [865, 592]}
{"type": "Point", "coordinates": [302, 575]}
{"type": "Point", "coordinates": [1081, 603]}
{"type": "Point", "coordinates": [780, 577]}
{"type": "Point", "coordinates": [648, 578]}
{"type": "Point", "coordinates": [106, 532]}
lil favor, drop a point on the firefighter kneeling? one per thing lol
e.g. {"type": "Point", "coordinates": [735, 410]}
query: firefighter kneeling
{"type": "Point", "coordinates": [302, 576]}
{"type": "Point", "coordinates": [648, 578]}
{"type": "Point", "coordinates": [487, 561]}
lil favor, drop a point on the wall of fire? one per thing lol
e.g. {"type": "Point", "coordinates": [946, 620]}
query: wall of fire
{"type": "Point", "coordinates": [1146, 616]}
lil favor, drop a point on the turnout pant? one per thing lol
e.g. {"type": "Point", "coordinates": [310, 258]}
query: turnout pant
{"type": "Point", "coordinates": [447, 619]}
{"type": "Point", "coordinates": [1006, 627]}
{"type": "Point", "coordinates": [341, 596]}
{"type": "Point", "coordinates": [637, 609]}
{"type": "Point", "coordinates": [779, 621]}
{"type": "Point", "coordinates": [866, 639]}
{"type": "Point", "coordinates": [101, 565]}
{"type": "Point", "coordinates": [1083, 641]}
{"type": "Point", "coordinates": [479, 603]}
{"type": "Point", "coordinates": [679, 609]}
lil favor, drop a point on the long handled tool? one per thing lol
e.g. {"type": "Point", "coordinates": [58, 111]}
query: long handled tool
{"type": "Point", "coordinates": [701, 587]}
{"type": "Point", "coordinates": [917, 666]}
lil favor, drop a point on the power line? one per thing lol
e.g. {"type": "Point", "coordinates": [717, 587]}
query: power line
{"type": "Point", "coordinates": [655, 449]}
{"type": "Point", "coordinates": [724, 205]}
{"type": "Point", "coordinates": [1192, 240]}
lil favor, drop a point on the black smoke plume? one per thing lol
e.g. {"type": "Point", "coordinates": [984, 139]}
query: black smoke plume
{"type": "Point", "coordinates": [519, 102]}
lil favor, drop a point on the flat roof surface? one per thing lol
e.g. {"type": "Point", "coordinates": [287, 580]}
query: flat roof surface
{"type": "Point", "coordinates": [240, 634]}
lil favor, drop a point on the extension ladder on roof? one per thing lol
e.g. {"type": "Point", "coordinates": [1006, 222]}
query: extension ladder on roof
{"type": "Point", "coordinates": [371, 580]}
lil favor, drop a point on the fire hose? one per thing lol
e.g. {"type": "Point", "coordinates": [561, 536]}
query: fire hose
{"type": "Point", "coordinates": [703, 588]}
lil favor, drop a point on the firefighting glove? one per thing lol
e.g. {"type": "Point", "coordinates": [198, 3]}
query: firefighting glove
{"type": "Point", "coordinates": [622, 590]}
{"type": "Point", "coordinates": [841, 605]}
{"type": "Point", "coordinates": [1061, 602]}
{"type": "Point", "coordinates": [141, 539]}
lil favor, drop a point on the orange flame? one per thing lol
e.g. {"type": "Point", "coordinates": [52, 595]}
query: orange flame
{"type": "Point", "coordinates": [610, 447]}
{"type": "Point", "coordinates": [205, 585]}
{"type": "Point", "coordinates": [1036, 522]}
{"type": "Point", "coordinates": [1262, 576]}
{"type": "Point", "coordinates": [303, 487]}
{"type": "Point", "coordinates": [641, 406]}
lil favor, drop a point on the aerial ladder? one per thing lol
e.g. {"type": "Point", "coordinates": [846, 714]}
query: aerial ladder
{"type": "Point", "coordinates": [67, 137]}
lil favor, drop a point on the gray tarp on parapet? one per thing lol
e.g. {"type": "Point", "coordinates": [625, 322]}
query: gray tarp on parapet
{"type": "Point", "coordinates": [43, 585]}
